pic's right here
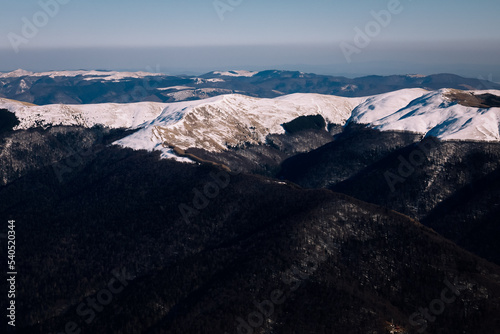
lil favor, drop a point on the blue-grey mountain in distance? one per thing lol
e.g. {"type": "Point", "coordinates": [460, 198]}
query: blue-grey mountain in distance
{"type": "Point", "coordinates": [83, 87]}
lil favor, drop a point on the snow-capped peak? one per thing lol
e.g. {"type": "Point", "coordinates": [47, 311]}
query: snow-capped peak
{"type": "Point", "coordinates": [17, 73]}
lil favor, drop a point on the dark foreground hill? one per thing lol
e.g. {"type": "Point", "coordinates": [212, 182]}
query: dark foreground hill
{"type": "Point", "coordinates": [450, 186]}
{"type": "Point", "coordinates": [125, 243]}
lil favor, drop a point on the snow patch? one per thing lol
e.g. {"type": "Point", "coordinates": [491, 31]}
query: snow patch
{"type": "Point", "coordinates": [175, 88]}
{"type": "Point", "coordinates": [240, 73]}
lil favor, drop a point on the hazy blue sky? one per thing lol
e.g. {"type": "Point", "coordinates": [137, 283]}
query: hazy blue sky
{"type": "Point", "coordinates": [190, 36]}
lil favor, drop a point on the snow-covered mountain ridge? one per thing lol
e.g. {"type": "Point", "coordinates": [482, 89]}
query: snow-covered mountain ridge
{"type": "Point", "coordinates": [432, 114]}
{"type": "Point", "coordinates": [89, 75]}
{"type": "Point", "coordinates": [111, 115]}
{"type": "Point", "coordinates": [235, 120]}
{"type": "Point", "coordinates": [226, 121]}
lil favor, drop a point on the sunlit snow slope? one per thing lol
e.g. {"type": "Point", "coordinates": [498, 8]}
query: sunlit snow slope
{"type": "Point", "coordinates": [112, 115]}
{"type": "Point", "coordinates": [432, 114]}
{"type": "Point", "coordinates": [234, 120]}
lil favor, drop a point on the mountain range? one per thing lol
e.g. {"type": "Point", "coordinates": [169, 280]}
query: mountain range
{"type": "Point", "coordinates": [87, 87]}
{"type": "Point", "coordinates": [252, 202]}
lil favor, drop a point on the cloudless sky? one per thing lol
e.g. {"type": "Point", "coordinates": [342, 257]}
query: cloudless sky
{"type": "Point", "coordinates": [458, 34]}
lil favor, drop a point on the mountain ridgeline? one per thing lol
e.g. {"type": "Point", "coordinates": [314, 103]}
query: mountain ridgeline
{"type": "Point", "coordinates": [85, 87]}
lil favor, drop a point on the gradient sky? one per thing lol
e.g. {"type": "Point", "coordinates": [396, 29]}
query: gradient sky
{"type": "Point", "coordinates": [428, 36]}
